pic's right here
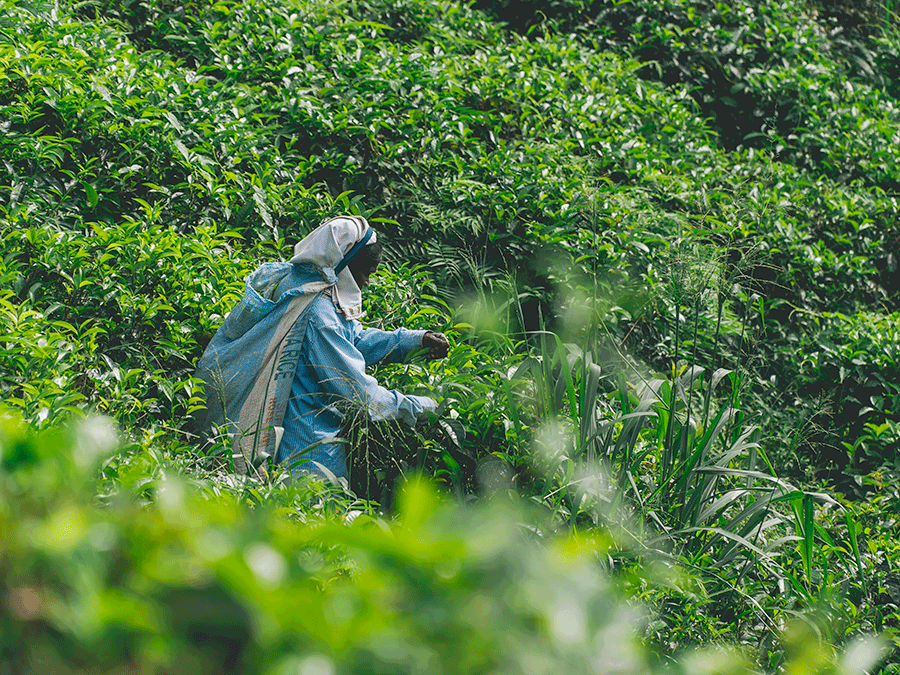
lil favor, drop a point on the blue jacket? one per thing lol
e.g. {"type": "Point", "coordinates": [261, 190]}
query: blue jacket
{"type": "Point", "coordinates": [285, 359]}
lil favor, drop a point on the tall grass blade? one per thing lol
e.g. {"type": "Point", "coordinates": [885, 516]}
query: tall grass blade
{"type": "Point", "coordinates": [854, 546]}
{"type": "Point", "coordinates": [803, 513]}
{"type": "Point", "coordinates": [718, 531]}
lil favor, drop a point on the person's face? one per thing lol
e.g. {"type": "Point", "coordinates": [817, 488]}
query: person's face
{"type": "Point", "coordinates": [363, 269]}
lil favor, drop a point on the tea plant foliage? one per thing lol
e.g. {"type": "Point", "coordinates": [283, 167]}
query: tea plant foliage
{"type": "Point", "coordinates": [193, 584]}
{"type": "Point", "coordinates": [660, 234]}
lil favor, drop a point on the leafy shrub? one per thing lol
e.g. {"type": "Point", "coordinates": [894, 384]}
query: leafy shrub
{"type": "Point", "coordinates": [626, 196]}
{"type": "Point", "coordinates": [188, 584]}
{"type": "Point", "coordinates": [122, 308]}
{"type": "Point", "coordinates": [856, 360]}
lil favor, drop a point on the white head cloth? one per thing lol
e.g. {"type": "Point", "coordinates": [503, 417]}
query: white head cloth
{"type": "Point", "coordinates": [325, 247]}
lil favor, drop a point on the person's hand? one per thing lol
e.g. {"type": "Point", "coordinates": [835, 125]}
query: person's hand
{"type": "Point", "coordinates": [437, 345]}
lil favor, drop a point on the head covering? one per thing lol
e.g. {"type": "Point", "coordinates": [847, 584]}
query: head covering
{"type": "Point", "coordinates": [330, 247]}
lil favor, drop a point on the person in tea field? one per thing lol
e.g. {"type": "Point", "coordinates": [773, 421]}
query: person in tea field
{"type": "Point", "coordinates": [289, 361]}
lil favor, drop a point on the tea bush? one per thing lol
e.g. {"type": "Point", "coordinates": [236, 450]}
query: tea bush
{"type": "Point", "coordinates": [661, 236]}
{"type": "Point", "coordinates": [193, 584]}
{"type": "Point", "coordinates": [122, 308]}
{"type": "Point", "coordinates": [855, 359]}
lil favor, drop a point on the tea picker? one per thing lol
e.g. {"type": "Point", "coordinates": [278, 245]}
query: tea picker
{"type": "Point", "coordinates": [289, 361]}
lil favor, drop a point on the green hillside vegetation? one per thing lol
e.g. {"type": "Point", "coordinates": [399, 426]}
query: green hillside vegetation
{"type": "Point", "coordinates": [662, 236]}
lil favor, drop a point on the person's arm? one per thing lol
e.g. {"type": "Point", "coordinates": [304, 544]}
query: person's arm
{"type": "Point", "coordinates": [378, 346]}
{"type": "Point", "coordinates": [385, 346]}
{"type": "Point", "coordinates": [340, 367]}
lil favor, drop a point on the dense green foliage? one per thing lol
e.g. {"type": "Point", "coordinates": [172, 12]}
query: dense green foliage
{"type": "Point", "coordinates": [661, 235]}
{"type": "Point", "coordinates": [201, 583]}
